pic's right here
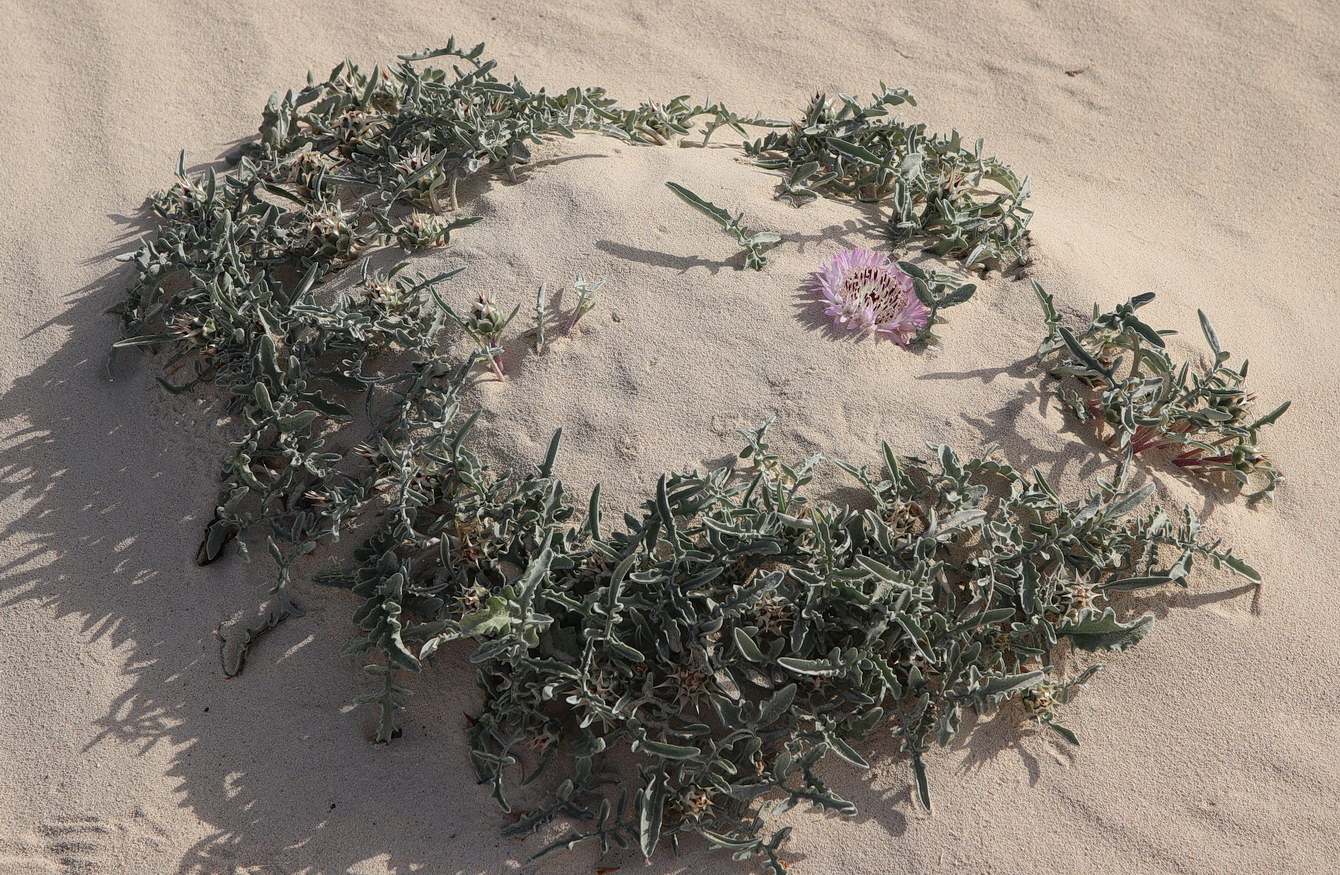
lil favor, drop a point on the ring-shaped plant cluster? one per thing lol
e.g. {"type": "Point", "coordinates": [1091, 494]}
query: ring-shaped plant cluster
{"type": "Point", "coordinates": [728, 637]}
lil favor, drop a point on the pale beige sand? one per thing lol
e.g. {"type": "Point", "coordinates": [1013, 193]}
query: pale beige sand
{"type": "Point", "coordinates": [1194, 155]}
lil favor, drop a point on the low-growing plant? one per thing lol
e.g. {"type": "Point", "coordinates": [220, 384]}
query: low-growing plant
{"type": "Point", "coordinates": [937, 290]}
{"type": "Point", "coordinates": [586, 301]}
{"type": "Point", "coordinates": [753, 242]}
{"type": "Point", "coordinates": [725, 640]}
{"type": "Point", "coordinates": [540, 321]}
{"type": "Point", "coordinates": [484, 325]}
{"type": "Point", "coordinates": [1130, 387]}
{"type": "Point", "coordinates": [737, 633]}
{"type": "Point", "coordinates": [933, 184]}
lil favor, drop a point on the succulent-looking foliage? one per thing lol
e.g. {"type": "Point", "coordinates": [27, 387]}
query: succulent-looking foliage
{"type": "Point", "coordinates": [730, 636]}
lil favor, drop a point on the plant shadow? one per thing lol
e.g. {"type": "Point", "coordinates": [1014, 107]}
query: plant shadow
{"type": "Point", "coordinates": [1078, 456]}
{"type": "Point", "coordinates": [678, 263]}
{"type": "Point", "coordinates": [845, 234]}
{"type": "Point", "coordinates": [112, 483]}
{"type": "Point", "coordinates": [116, 481]}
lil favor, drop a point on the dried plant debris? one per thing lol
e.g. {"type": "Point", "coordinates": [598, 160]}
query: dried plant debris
{"type": "Point", "coordinates": [730, 637]}
{"type": "Point", "coordinates": [935, 186]}
{"type": "Point", "coordinates": [753, 242]}
{"type": "Point", "coordinates": [1126, 383]}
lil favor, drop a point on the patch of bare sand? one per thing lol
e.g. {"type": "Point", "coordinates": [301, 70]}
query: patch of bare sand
{"type": "Point", "coordinates": [1192, 154]}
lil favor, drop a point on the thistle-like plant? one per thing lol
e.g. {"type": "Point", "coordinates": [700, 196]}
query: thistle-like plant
{"type": "Point", "coordinates": [485, 325]}
{"type": "Point", "coordinates": [1129, 386]}
{"type": "Point", "coordinates": [737, 633]}
{"type": "Point", "coordinates": [724, 641]}
{"type": "Point", "coordinates": [866, 291]}
{"type": "Point", "coordinates": [935, 186]}
{"type": "Point", "coordinates": [753, 242]}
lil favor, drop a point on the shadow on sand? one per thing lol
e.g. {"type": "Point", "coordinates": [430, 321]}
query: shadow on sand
{"type": "Point", "coordinates": [118, 480]}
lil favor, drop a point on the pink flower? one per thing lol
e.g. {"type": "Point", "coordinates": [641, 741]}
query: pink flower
{"type": "Point", "coordinates": [866, 291]}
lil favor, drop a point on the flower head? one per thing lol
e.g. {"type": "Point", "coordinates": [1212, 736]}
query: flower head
{"type": "Point", "coordinates": [485, 317]}
{"type": "Point", "coordinates": [866, 291]}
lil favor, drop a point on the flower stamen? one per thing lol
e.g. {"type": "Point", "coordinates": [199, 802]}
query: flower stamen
{"type": "Point", "coordinates": [866, 291]}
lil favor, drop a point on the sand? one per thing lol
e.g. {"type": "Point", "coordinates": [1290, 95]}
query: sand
{"type": "Point", "coordinates": [1192, 153]}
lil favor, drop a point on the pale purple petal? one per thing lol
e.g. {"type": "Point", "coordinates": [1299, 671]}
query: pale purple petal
{"type": "Point", "coordinates": [868, 291]}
